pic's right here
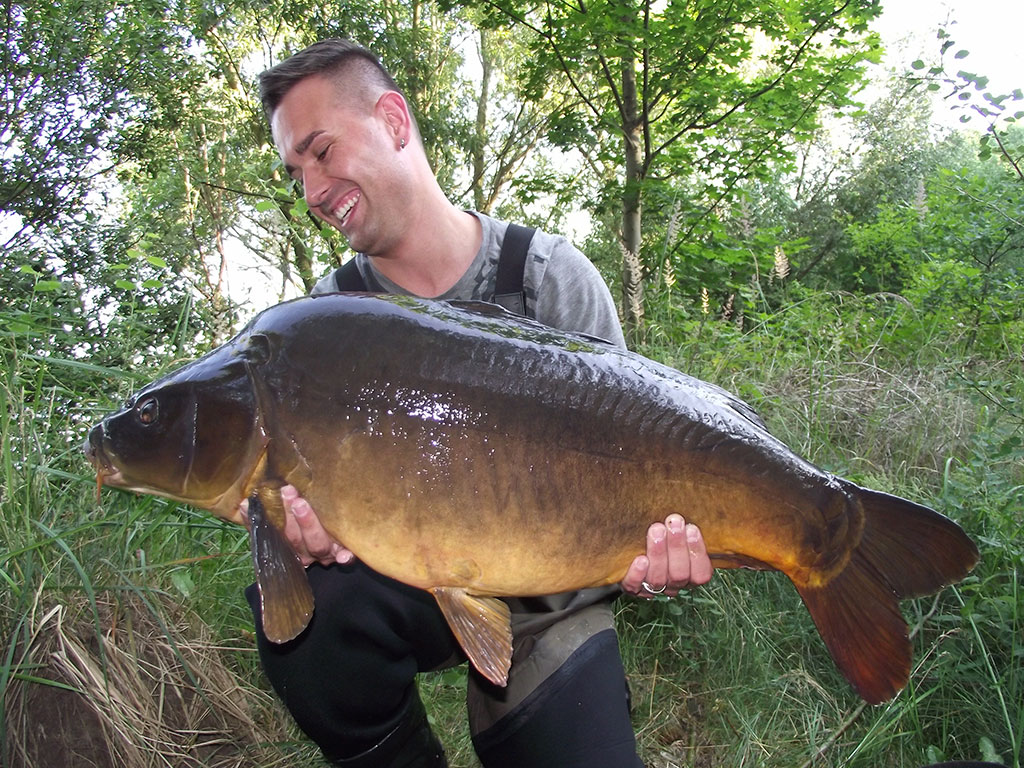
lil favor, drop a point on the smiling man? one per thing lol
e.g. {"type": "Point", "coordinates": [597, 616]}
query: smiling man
{"type": "Point", "coordinates": [346, 132]}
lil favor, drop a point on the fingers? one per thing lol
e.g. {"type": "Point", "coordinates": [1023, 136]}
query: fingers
{"type": "Point", "coordinates": [306, 534]}
{"type": "Point", "coordinates": [633, 583]}
{"type": "Point", "coordinates": [678, 563]}
{"type": "Point", "coordinates": [700, 564]}
{"type": "Point", "coordinates": [241, 515]}
{"type": "Point", "coordinates": [657, 577]}
{"type": "Point", "coordinates": [676, 559]}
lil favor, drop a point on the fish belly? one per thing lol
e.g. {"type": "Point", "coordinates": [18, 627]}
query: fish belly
{"type": "Point", "coordinates": [520, 515]}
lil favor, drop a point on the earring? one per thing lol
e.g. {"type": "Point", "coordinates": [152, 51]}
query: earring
{"type": "Point", "coordinates": [401, 144]}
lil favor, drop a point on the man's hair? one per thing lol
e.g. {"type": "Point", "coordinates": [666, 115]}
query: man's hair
{"type": "Point", "coordinates": [334, 59]}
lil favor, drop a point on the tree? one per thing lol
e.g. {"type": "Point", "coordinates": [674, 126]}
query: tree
{"type": "Point", "coordinates": [700, 90]}
{"type": "Point", "coordinates": [84, 87]}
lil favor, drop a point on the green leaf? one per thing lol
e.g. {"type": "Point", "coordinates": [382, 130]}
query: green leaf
{"type": "Point", "coordinates": [961, 54]}
{"type": "Point", "coordinates": [157, 262]}
{"type": "Point", "coordinates": [182, 580]}
{"type": "Point", "coordinates": [988, 751]}
{"type": "Point", "coordinates": [265, 205]}
{"type": "Point", "coordinates": [917, 64]}
{"type": "Point", "coordinates": [126, 285]}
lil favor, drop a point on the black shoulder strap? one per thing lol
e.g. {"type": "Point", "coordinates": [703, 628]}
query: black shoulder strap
{"type": "Point", "coordinates": [508, 289]}
{"type": "Point", "coordinates": [347, 277]}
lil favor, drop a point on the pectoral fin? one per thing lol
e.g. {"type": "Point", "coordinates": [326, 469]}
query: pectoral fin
{"type": "Point", "coordinates": [482, 627]}
{"type": "Point", "coordinates": [286, 600]}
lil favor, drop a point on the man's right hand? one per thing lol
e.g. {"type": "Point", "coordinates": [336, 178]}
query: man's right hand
{"type": "Point", "coordinates": [307, 536]}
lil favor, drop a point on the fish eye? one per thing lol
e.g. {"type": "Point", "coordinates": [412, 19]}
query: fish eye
{"type": "Point", "coordinates": [147, 410]}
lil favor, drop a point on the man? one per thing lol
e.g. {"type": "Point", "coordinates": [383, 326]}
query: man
{"type": "Point", "coordinates": [343, 128]}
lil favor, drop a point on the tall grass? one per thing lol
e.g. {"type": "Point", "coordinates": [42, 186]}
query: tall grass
{"type": "Point", "coordinates": [124, 619]}
{"type": "Point", "coordinates": [869, 391]}
{"type": "Point", "coordinates": [124, 640]}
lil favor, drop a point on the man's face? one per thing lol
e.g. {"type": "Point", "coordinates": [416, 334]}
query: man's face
{"type": "Point", "coordinates": [344, 156]}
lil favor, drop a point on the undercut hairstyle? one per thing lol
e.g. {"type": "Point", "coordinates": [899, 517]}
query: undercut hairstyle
{"type": "Point", "coordinates": [341, 61]}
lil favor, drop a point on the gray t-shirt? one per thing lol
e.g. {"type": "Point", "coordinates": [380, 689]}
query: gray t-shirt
{"type": "Point", "coordinates": [563, 288]}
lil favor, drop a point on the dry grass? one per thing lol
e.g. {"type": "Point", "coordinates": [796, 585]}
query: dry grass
{"type": "Point", "coordinates": [149, 689]}
{"type": "Point", "coordinates": [890, 418]}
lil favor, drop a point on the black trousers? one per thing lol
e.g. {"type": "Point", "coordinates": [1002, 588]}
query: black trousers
{"type": "Point", "coordinates": [349, 677]}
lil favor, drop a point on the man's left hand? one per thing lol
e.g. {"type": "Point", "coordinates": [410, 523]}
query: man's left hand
{"type": "Point", "coordinates": [676, 559]}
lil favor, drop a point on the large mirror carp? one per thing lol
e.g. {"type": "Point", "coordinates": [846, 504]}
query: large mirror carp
{"type": "Point", "coordinates": [458, 448]}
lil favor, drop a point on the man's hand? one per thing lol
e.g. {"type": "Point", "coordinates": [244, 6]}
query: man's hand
{"type": "Point", "coordinates": [676, 559]}
{"type": "Point", "coordinates": [307, 536]}
{"type": "Point", "coordinates": [303, 530]}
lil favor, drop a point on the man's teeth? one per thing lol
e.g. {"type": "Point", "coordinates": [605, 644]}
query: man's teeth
{"type": "Point", "coordinates": [341, 213]}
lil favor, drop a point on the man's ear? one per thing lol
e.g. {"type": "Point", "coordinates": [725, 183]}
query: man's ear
{"type": "Point", "coordinates": [395, 111]}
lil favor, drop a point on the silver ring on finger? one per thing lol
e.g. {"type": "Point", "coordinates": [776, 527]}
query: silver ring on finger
{"type": "Point", "coordinates": [651, 589]}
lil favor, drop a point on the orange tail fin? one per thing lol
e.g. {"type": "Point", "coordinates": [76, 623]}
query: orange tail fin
{"type": "Point", "coordinates": [907, 550]}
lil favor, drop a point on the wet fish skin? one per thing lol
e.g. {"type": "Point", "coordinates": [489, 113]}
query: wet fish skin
{"type": "Point", "coordinates": [459, 448]}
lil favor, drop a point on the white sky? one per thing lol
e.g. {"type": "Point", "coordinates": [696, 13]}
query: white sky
{"type": "Point", "coordinates": [990, 30]}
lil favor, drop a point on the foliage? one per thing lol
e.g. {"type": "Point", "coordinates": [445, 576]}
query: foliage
{"type": "Point", "coordinates": [870, 388]}
{"type": "Point", "coordinates": [702, 91]}
{"type": "Point", "coordinates": [82, 90]}
{"type": "Point", "coordinates": [104, 656]}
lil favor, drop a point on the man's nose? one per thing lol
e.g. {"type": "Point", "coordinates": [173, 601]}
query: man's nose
{"type": "Point", "coordinates": [315, 186]}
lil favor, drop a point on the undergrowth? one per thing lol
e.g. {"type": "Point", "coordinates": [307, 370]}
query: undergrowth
{"type": "Point", "coordinates": [732, 674]}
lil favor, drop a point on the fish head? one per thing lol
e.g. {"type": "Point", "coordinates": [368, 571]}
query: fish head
{"type": "Point", "coordinates": [195, 435]}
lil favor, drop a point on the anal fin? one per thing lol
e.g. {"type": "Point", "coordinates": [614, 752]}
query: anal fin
{"type": "Point", "coordinates": [737, 560]}
{"type": "Point", "coordinates": [286, 600]}
{"type": "Point", "coordinates": [482, 625]}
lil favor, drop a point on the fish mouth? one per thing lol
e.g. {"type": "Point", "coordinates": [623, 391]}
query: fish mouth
{"type": "Point", "coordinates": [106, 472]}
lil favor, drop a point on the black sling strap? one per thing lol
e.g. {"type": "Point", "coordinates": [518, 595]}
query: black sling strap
{"type": "Point", "coordinates": [508, 290]}
{"type": "Point", "coordinates": [347, 277]}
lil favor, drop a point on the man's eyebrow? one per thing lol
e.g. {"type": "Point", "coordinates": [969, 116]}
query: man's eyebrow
{"type": "Point", "coordinates": [303, 145]}
{"type": "Point", "coordinates": [300, 148]}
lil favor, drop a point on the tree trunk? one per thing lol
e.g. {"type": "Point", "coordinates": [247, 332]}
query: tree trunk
{"type": "Point", "coordinates": [480, 201]}
{"type": "Point", "coordinates": [632, 272]}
